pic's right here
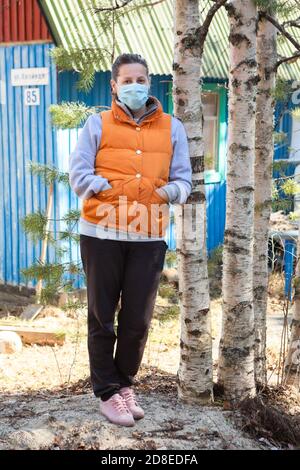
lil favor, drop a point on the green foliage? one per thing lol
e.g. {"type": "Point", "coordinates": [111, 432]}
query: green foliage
{"type": "Point", "coordinates": [276, 7]}
{"type": "Point", "coordinates": [282, 90]}
{"type": "Point", "coordinates": [216, 255]}
{"type": "Point", "coordinates": [208, 161]}
{"type": "Point", "coordinates": [72, 216]}
{"type": "Point", "coordinates": [86, 61]}
{"type": "Point", "coordinates": [275, 191]}
{"type": "Point", "coordinates": [283, 189]}
{"type": "Point", "coordinates": [168, 291]}
{"type": "Point", "coordinates": [280, 166]}
{"type": "Point", "coordinates": [70, 219]}
{"type": "Point", "coordinates": [171, 259]}
{"type": "Point", "coordinates": [73, 304]}
{"type": "Point", "coordinates": [51, 274]}
{"type": "Point", "coordinates": [69, 115]}
{"type": "Point", "coordinates": [266, 5]}
{"type": "Point", "coordinates": [284, 205]}
{"type": "Point", "coordinates": [214, 267]}
{"type": "Point", "coordinates": [49, 174]}
{"type": "Point", "coordinates": [169, 313]}
{"type": "Point", "coordinates": [290, 187]}
{"type": "Point", "coordinates": [34, 225]}
{"type": "Point", "coordinates": [90, 57]}
{"type": "Point", "coordinates": [279, 137]}
{"type": "Point", "coordinates": [58, 276]}
{"type": "Point", "coordinates": [293, 216]}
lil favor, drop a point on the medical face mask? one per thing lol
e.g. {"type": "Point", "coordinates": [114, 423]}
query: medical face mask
{"type": "Point", "coordinates": [133, 95]}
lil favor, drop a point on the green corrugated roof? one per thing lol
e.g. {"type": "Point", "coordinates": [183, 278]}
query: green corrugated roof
{"type": "Point", "coordinates": [147, 31]}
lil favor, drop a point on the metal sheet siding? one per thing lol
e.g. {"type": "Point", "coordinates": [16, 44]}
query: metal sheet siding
{"type": "Point", "coordinates": [26, 135]}
{"type": "Point", "coordinates": [21, 21]}
{"type": "Point", "coordinates": [149, 32]}
{"type": "Point", "coordinates": [283, 123]}
{"type": "Point", "coordinates": [100, 93]}
{"type": "Point", "coordinates": [216, 214]}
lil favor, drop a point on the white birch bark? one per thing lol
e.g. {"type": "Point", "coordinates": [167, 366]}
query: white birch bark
{"type": "Point", "coordinates": [195, 368]}
{"type": "Point", "coordinates": [264, 151]}
{"type": "Point", "coordinates": [236, 354]}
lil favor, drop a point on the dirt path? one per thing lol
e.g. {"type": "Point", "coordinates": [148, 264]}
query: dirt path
{"type": "Point", "coordinates": [75, 423]}
{"type": "Point", "coordinates": [45, 415]}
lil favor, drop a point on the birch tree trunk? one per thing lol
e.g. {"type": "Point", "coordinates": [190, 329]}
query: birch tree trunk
{"type": "Point", "coordinates": [264, 151]}
{"type": "Point", "coordinates": [195, 384]}
{"type": "Point", "coordinates": [236, 354]}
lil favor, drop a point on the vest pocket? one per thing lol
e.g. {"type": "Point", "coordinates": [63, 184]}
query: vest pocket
{"type": "Point", "coordinates": [110, 193]}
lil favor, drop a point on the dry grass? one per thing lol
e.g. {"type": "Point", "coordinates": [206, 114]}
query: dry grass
{"type": "Point", "coordinates": [276, 285]}
{"type": "Point", "coordinates": [273, 415]}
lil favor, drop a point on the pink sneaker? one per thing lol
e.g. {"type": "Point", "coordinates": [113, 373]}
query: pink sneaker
{"type": "Point", "coordinates": [128, 394]}
{"type": "Point", "coordinates": [116, 411]}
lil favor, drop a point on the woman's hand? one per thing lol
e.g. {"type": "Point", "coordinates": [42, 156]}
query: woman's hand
{"type": "Point", "coordinates": [162, 194]}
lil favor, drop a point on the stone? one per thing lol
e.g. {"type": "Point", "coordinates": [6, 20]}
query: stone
{"type": "Point", "coordinates": [170, 274]}
{"type": "Point", "coordinates": [10, 342]}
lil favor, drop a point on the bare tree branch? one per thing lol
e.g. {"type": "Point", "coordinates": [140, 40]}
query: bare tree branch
{"type": "Point", "coordinates": [292, 23]}
{"type": "Point", "coordinates": [263, 14]}
{"type": "Point", "coordinates": [117, 6]}
{"type": "Point", "coordinates": [202, 31]}
{"type": "Point", "coordinates": [124, 4]}
{"type": "Point", "coordinates": [290, 59]}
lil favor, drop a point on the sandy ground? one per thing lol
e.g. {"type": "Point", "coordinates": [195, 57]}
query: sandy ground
{"type": "Point", "coordinates": [75, 423]}
{"type": "Point", "coordinates": [46, 404]}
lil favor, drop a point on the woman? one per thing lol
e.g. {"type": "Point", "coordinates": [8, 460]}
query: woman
{"type": "Point", "coordinates": [129, 164]}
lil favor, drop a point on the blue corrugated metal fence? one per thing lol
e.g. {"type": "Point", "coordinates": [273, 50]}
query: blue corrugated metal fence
{"type": "Point", "coordinates": [25, 135]}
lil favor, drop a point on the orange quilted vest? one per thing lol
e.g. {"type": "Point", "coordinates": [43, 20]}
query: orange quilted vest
{"type": "Point", "coordinates": [135, 159]}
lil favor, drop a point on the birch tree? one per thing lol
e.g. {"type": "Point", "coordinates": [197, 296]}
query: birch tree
{"type": "Point", "coordinates": [195, 375]}
{"type": "Point", "coordinates": [236, 353]}
{"type": "Point", "coordinates": [268, 63]}
{"type": "Point", "coordinates": [264, 151]}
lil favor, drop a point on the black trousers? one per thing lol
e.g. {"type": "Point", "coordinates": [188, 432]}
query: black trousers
{"type": "Point", "coordinates": [126, 270]}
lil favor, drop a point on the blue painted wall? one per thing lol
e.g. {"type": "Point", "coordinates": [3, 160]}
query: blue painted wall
{"type": "Point", "coordinates": [25, 135]}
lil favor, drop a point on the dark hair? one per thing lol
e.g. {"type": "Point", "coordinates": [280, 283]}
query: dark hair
{"type": "Point", "coordinates": [126, 58]}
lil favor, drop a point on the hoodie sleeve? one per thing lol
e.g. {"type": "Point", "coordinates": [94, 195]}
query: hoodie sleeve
{"type": "Point", "coordinates": [82, 176]}
{"type": "Point", "coordinates": [179, 186]}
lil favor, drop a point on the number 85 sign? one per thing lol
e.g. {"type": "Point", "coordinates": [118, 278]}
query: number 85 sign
{"type": "Point", "coordinates": [31, 96]}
